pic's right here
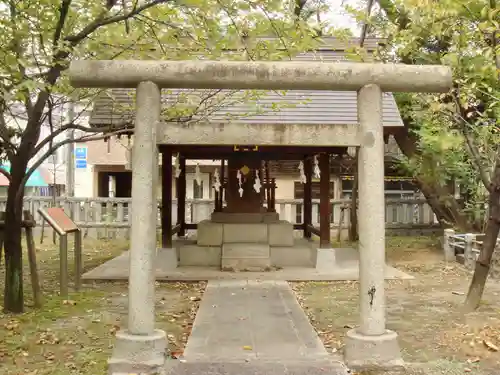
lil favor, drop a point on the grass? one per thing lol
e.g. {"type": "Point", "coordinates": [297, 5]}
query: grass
{"type": "Point", "coordinates": [75, 335]}
{"type": "Point", "coordinates": [434, 334]}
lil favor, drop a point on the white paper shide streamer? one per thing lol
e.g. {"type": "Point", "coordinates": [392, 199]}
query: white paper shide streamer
{"type": "Point", "coordinates": [351, 151]}
{"type": "Point", "coordinates": [197, 174]}
{"type": "Point", "coordinates": [257, 185]}
{"type": "Point", "coordinates": [316, 170]}
{"type": "Point", "coordinates": [177, 166]}
{"type": "Point", "coordinates": [216, 185]}
{"type": "Point", "coordinates": [302, 175]}
{"type": "Point", "coordinates": [240, 183]}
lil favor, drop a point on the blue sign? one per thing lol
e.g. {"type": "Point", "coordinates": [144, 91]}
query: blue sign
{"type": "Point", "coordinates": [80, 163]}
{"type": "Point", "coordinates": [81, 153]}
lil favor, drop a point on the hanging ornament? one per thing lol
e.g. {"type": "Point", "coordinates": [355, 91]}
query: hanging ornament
{"type": "Point", "coordinates": [351, 151]}
{"type": "Point", "coordinates": [257, 185]}
{"type": "Point", "coordinates": [317, 171]}
{"type": "Point", "coordinates": [302, 175]}
{"type": "Point", "coordinates": [197, 174]}
{"type": "Point", "coordinates": [217, 183]}
{"type": "Point", "coordinates": [177, 166]}
{"type": "Point", "coordinates": [240, 183]}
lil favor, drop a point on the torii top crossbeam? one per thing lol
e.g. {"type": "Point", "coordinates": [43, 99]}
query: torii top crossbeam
{"type": "Point", "coordinates": [286, 75]}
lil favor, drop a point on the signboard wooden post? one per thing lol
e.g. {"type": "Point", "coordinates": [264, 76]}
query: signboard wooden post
{"type": "Point", "coordinates": [63, 225]}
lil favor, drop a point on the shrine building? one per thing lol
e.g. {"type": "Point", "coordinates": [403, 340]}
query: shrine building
{"type": "Point", "coordinates": [244, 231]}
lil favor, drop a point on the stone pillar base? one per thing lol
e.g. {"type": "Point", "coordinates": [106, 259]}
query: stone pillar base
{"type": "Point", "coordinates": [325, 260]}
{"type": "Point", "coordinates": [168, 257]}
{"type": "Point", "coordinates": [137, 353]}
{"type": "Point", "coordinates": [362, 352]}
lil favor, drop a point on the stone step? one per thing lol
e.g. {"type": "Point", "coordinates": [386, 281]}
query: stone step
{"type": "Point", "coordinates": [245, 250]}
{"type": "Point", "coordinates": [215, 234]}
{"type": "Point", "coordinates": [311, 367]}
{"type": "Point", "coordinates": [246, 257]}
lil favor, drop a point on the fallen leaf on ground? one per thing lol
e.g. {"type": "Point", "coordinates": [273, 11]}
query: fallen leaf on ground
{"type": "Point", "coordinates": [490, 345]}
{"type": "Point", "coordinates": [177, 354]}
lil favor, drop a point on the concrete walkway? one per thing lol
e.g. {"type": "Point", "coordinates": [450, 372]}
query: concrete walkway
{"type": "Point", "coordinates": [253, 327]}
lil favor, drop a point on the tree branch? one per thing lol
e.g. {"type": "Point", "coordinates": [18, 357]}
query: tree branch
{"type": "Point", "coordinates": [56, 146]}
{"type": "Point", "coordinates": [364, 30]}
{"type": "Point", "coordinates": [103, 21]}
{"type": "Point", "coordinates": [471, 146]}
{"type": "Point", "coordinates": [63, 15]}
{"type": "Point", "coordinates": [31, 133]}
{"type": "Point", "coordinates": [72, 126]}
{"type": "Point", "coordinates": [8, 146]}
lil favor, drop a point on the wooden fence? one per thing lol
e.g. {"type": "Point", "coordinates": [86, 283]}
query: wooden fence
{"type": "Point", "coordinates": [108, 217]}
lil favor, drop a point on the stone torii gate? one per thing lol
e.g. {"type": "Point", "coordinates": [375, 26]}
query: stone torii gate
{"type": "Point", "coordinates": [370, 343]}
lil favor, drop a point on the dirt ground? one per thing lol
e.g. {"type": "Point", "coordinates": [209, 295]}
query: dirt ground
{"type": "Point", "coordinates": [75, 336]}
{"type": "Point", "coordinates": [435, 336]}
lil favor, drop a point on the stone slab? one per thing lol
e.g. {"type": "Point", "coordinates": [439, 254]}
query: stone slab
{"type": "Point", "coordinates": [346, 269]}
{"type": "Point", "coordinates": [245, 257]}
{"type": "Point", "coordinates": [250, 320]}
{"type": "Point", "coordinates": [293, 256]}
{"type": "Point", "coordinates": [245, 250]}
{"type": "Point", "coordinates": [170, 258]}
{"type": "Point", "coordinates": [281, 234]}
{"type": "Point", "coordinates": [246, 265]}
{"type": "Point", "coordinates": [194, 255]}
{"type": "Point", "coordinates": [326, 260]}
{"type": "Point", "coordinates": [245, 233]}
{"type": "Point", "coordinates": [253, 368]}
{"type": "Point", "coordinates": [246, 218]}
{"type": "Point", "coordinates": [209, 233]}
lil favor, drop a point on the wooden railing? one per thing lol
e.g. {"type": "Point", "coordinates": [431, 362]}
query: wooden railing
{"type": "Point", "coordinates": [109, 216]}
{"type": "Point", "coordinates": [465, 248]}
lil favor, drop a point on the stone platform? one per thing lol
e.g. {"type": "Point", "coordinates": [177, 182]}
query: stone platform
{"type": "Point", "coordinates": [345, 268]}
{"type": "Point", "coordinates": [299, 253]}
{"type": "Point", "coordinates": [240, 242]}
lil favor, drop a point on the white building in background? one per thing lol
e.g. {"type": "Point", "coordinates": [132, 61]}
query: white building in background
{"type": "Point", "coordinates": [51, 176]}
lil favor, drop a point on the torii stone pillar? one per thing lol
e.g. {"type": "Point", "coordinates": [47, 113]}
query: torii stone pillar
{"type": "Point", "coordinates": [371, 344]}
{"type": "Point", "coordinates": [141, 347]}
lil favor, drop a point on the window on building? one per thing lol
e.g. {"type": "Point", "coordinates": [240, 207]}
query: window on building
{"type": "Point", "coordinates": [197, 190]}
{"type": "Point", "coordinates": [299, 194]}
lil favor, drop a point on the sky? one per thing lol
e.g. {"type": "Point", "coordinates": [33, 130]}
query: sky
{"type": "Point", "coordinates": [340, 18]}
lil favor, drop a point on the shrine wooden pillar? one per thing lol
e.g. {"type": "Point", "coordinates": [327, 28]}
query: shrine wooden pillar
{"type": "Point", "coordinates": [223, 186]}
{"type": "Point", "coordinates": [307, 197]}
{"type": "Point", "coordinates": [181, 197]}
{"type": "Point", "coordinates": [324, 203]}
{"type": "Point", "coordinates": [268, 187]}
{"type": "Point", "coordinates": [166, 197]}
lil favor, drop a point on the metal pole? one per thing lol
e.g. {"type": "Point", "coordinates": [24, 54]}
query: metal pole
{"type": "Point", "coordinates": [70, 163]}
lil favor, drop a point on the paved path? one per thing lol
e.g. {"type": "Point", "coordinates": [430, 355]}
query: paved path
{"type": "Point", "coordinates": [253, 327]}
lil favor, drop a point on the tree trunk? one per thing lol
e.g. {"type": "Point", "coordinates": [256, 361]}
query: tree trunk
{"type": "Point", "coordinates": [440, 199]}
{"type": "Point", "coordinates": [483, 262]}
{"type": "Point", "coordinates": [13, 293]}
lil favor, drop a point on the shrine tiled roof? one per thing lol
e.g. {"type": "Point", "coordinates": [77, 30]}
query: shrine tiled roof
{"type": "Point", "coordinates": [115, 106]}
